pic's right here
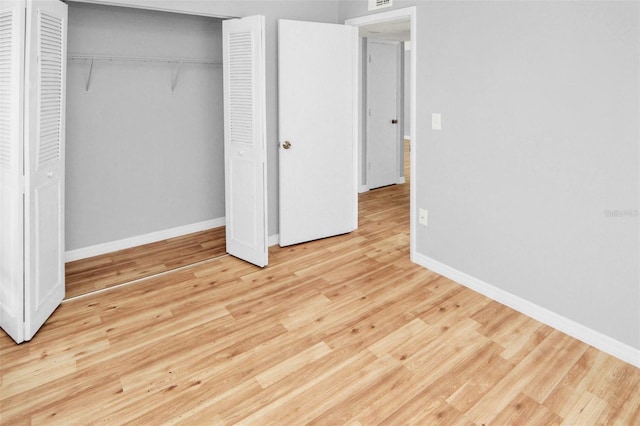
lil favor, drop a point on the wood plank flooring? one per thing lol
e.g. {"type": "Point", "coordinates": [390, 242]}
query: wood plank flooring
{"type": "Point", "coordinates": [111, 269]}
{"type": "Point", "coordinates": [345, 330]}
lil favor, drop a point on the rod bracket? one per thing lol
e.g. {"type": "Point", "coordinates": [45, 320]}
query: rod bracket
{"type": "Point", "coordinates": [174, 80]}
{"type": "Point", "coordinates": [86, 89]}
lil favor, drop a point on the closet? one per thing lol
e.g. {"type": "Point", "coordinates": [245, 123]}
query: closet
{"type": "Point", "coordinates": [144, 127]}
{"type": "Point", "coordinates": [118, 142]}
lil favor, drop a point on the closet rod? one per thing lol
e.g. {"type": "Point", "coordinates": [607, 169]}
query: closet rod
{"type": "Point", "coordinates": [143, 59]}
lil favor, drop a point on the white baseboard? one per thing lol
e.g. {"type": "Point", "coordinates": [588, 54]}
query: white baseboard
{"type": "Point", "coordinates": [585, 334]}
{"type": "Point", "coordinates": [138, 240]}
{"type": "Point", "coordinates": [407, 137]}
{"type": "Point", "coordinates": [400, 180]}
{"type": "Point", "coordinates": [363, 188]}
{"type": "Point", "coordinates": [273, 240]}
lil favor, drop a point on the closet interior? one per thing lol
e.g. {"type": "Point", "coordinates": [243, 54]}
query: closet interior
{"type": "Point", "coordinates": [144, 144]}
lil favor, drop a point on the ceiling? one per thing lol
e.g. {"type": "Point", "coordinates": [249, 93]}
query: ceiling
{"type": "Point", "coordinates": [390, 30]}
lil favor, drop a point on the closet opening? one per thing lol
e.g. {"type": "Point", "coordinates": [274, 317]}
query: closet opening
{"type": "Point", "coordinates": [144, 144]}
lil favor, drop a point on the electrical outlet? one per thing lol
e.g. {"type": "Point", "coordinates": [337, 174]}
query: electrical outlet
{"type": "Point", "coordinates": [423, 218]}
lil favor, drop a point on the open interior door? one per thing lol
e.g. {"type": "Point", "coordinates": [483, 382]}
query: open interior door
{"type": "Point", "coordinates": [45, 72]}
{"type": "Point", "coordinates": [12, 28]}
{"type": "Point", "coordinates": [317, 68]}
{"type": "Point", "coordinates": [245, 139]}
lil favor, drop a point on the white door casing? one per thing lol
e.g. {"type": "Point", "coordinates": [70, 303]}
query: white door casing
{"type": "Point", "coordinates": [12, 29]}
{"type": "Point", "coordinates": [383, 139]}
{"type": "Point", "coordinates": [317, 74]}
{"type": "Point", "coordinates": [245, 139]}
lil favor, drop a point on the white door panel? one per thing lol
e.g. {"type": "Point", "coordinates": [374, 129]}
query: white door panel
{"type": "Point", "coordinates": [242, 175]}
{"type": "Point", "coordinates": [12, 29]}
{"type": "Point", "coordinates": [317, 68]}
{"type": "Point", "coordinates": [45, 70]}
{"type": "Point", "coordinates": [245, 139]}
{"type": "Point", "coordinates": [383, 136]}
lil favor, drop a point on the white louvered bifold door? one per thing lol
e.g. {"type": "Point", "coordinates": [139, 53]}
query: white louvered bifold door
{"type": "Point", "coordinates": [12, 27]}
{"type": "Point", "coordinates": [44, 160]}
{"type": "Point", "coordinates": [245, 139]}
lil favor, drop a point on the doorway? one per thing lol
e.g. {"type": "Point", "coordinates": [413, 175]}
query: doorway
{"type": "Point", "coordinates": [399, 25]}
{"type": "Point", "coordinates": [384, 116]}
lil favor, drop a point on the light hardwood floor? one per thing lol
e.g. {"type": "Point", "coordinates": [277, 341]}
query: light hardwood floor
{"type": "Point", "coordinates": [337, 331]}
{"type": "Point", "coordinates": [111, 269]}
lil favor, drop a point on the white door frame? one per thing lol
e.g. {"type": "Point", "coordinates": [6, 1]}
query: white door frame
{"type": "Point", "coordinates": [396, 15]}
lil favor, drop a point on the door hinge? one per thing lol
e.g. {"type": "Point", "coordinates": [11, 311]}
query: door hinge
{"type": "Point", "coordinates": [369, 57]}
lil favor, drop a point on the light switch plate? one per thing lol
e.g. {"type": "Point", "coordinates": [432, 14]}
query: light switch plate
{"type": "Point", "coordinates": [436, 121]}
{"type": "Point", "coordinates": [423, 218]}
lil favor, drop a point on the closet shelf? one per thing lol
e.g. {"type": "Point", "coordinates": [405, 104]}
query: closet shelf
{"type": "Point", "coordinates": [177, 61]}
{"type": "Point", "coordinates": [77, 57]}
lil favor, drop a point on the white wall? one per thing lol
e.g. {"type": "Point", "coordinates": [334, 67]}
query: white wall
{"type": "Point", "coordinates": [541, 122]}
{"type": "Point", "coordinates": [140, 158]}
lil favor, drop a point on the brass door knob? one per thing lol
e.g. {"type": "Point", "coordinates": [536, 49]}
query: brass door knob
{"type": "Point", "coordinates": [286, 144]}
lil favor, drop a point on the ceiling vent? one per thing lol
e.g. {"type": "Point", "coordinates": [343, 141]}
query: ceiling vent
{"type": "Point", "coordinates": [379, 4]}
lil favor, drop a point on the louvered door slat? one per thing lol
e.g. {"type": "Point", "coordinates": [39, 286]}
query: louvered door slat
{"type": "Point", "coordinates": [241, 87]}
{"type": "Point", "coordinates": [50, 71]}
{"type": "Point", "coordinates": [6, 89]}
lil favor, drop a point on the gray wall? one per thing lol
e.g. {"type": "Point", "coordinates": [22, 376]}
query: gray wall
{"type": "Point", "coordinates": [140, 158]}
{"type": "Point", "coordinates": [311, 10]}
{"type": "Point", "coordinates": [540, 110]}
